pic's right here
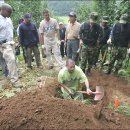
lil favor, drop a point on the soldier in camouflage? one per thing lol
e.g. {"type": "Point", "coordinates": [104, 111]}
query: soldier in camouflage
{"type": "Point", "coordinates": [103, 46]}
{"type": "Point", "coordinates": [90, 35]}
{"type": "Point", "coordinates": [119, 38]}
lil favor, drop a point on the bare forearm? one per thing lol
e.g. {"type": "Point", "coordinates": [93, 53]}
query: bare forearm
{"type": "Point", "coordinates": [87, 84]}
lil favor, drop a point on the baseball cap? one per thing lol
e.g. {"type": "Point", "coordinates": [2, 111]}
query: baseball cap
{"type": "Point", "coordinates": [72, 14]}
{"type": "Point", "coordinates": [27, 16]}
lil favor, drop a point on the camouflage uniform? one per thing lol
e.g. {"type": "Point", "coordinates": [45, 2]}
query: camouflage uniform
{"type": "Point", "coordinates": [88, 55]}
{"type": "Point", "coordinates": [120, 39]}
{"type": "Point", "coordinates": [119, 54]}
{"type": "Point", "coordinates": [90, 36]}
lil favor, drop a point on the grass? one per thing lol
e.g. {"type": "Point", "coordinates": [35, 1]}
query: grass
{"type": "Point", "coordinates": [63, 19]}
{"type": "Point", "coordinates": [125, 110]}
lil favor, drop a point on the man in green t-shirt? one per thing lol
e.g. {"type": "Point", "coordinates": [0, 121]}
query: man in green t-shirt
{"type": "Point", "coordinates": [72, 77]}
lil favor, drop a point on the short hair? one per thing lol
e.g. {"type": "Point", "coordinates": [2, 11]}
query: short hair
{"type": "Point", "coordinates": [70, 61]}
{"type": "Point", "coordinates": [6, 6]}
{"type": "Point", "coordinates": [45, 11]}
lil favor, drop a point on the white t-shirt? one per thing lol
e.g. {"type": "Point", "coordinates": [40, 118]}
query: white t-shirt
{"type": "Point", "coordinates": [49, 28]}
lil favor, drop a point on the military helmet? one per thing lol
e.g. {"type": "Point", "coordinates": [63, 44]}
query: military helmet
{"type": "Point", "coordinates": [93, 17]}
{"type": "Point", "coordinates": [124, 18]}
{"type": "Point", "coordinates": [105, 19]}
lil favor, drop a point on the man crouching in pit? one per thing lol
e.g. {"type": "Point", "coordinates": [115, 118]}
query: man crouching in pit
{"type": "Point", "coordinates": [72, 78]}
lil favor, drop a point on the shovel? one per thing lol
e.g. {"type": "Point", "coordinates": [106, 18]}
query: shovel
{"type": "Point", "coordinates": [99, 93]}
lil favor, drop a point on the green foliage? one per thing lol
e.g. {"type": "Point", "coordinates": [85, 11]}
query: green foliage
{"type": "Point", "coordinates": [111, 8]}
{"type": "Point", "coordinates": [105, 8]}
{"type": "Point", "coordinates": [21, 7]}
{"type": "Point", "coordinates": [83, 11]}
{"type": "Point", "coordinates": [124, 7]}
{"type": "Point", "coordinates": [123, 110]}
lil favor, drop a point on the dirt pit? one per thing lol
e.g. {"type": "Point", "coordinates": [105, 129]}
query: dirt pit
{"type": "Point", "coordinates": [42, 109]}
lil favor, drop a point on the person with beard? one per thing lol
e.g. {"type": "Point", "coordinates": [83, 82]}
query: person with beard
{"type": "Point", "coordinates": [90, 36]}
{"type": "Point", "coordinates": [120, 39]}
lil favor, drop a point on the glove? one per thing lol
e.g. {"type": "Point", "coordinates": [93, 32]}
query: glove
{"type": "Point", "coordinates": [129, 51]}
{"type": "Point", "coordinates": [78, 50]}
{"type": "Point", "coordinates": [109, 41]}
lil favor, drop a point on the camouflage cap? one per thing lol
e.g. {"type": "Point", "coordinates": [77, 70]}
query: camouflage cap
{"type": "Point", "coordinates": [124, 18]}
{"type": "Point", "coordinates": [105, 19]}
{"type": "Point", "coordinates": [93, 17]}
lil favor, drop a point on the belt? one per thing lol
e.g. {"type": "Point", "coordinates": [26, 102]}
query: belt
{"type": "Point", "coordinates": [73, 39]}
{"type": "Point", "coordinates": [4, 41]}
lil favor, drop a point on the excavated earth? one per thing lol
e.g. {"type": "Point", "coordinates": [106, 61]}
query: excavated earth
{"type": "Point", "coordinates": [42, 108]}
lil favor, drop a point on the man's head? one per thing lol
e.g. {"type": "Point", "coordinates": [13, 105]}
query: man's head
{"type": "Point", "coordinates": [104, 20]}
{"type": "Point", "coordinates": [124, 18]}
{"type": "Point", "coordinates": [5, 10]}
{"type": "Point", "coordinates": [93, 17]}
{"type": "Point", "coordinates": [72, 17]}
{"type": "Point", "coordinates": [27, 18]}
{"type": "Point", "coordinates": [70, 64]}
{"type": "Point", "coordinates": [46, 14]}
{"type": "Point", "coordinates": [61, 25]}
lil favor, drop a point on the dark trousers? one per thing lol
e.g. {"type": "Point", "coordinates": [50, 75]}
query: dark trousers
{"type": "Point", "coordinates": [62, 49]}
{"type": "Point", "coordinates": [28, 54]}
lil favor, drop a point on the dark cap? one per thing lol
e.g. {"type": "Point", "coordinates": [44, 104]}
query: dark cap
{"type": "Point", "coordinates": [124, 18]}
{"type": "Point", "coordinates": [27, 16]}
{"type": "Point", "coordinates": [105, 19]}
{"type": "Point", "coordinates": [72, 14]}
{"type": "Point", "coordinates": [93, 17]}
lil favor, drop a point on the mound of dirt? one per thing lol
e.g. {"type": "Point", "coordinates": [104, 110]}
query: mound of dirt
{"type": "Point", "coordinates": [42, 109]}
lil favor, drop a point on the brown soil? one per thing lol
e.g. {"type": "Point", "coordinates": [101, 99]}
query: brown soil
{"type": "Point", "coordinates": [42, 109]}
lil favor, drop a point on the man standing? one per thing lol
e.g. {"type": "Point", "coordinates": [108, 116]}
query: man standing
{"type": "Point", "coordinates": [48, 30]}
{"type": "Point", "coordinates": [72, 38]}
{"type": "Point", "coordinates": [103, 46]}
{"type": "Point", "coordinates": [120, 37]}
{"type": "Point", "coordinates": [62, 31]}
{"type": "Point", "coordinates": [6, 43]}
{"type": "Point", "coordinates": [90, 35]}
{"type": "Point", "coordinates": [72, 77]}
{"type": "Point", "coordinates": [29, 39]}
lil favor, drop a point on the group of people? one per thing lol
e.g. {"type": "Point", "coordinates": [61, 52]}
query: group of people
{"type": "Point", "coordinates": [77, 41]}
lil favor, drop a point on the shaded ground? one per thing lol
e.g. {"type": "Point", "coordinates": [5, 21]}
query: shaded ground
{"type": "Point", "coordinates": [41, 108]}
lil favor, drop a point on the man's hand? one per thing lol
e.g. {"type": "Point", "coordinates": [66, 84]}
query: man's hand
{"type": "Point", "coordinates": [89, 91]}
{"type": "Point", "coordinates": [43, 47]}
{"type": "Point", "coordinates": [81, 43]}
{"type": "Point", "coordinates": [58, 43]}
